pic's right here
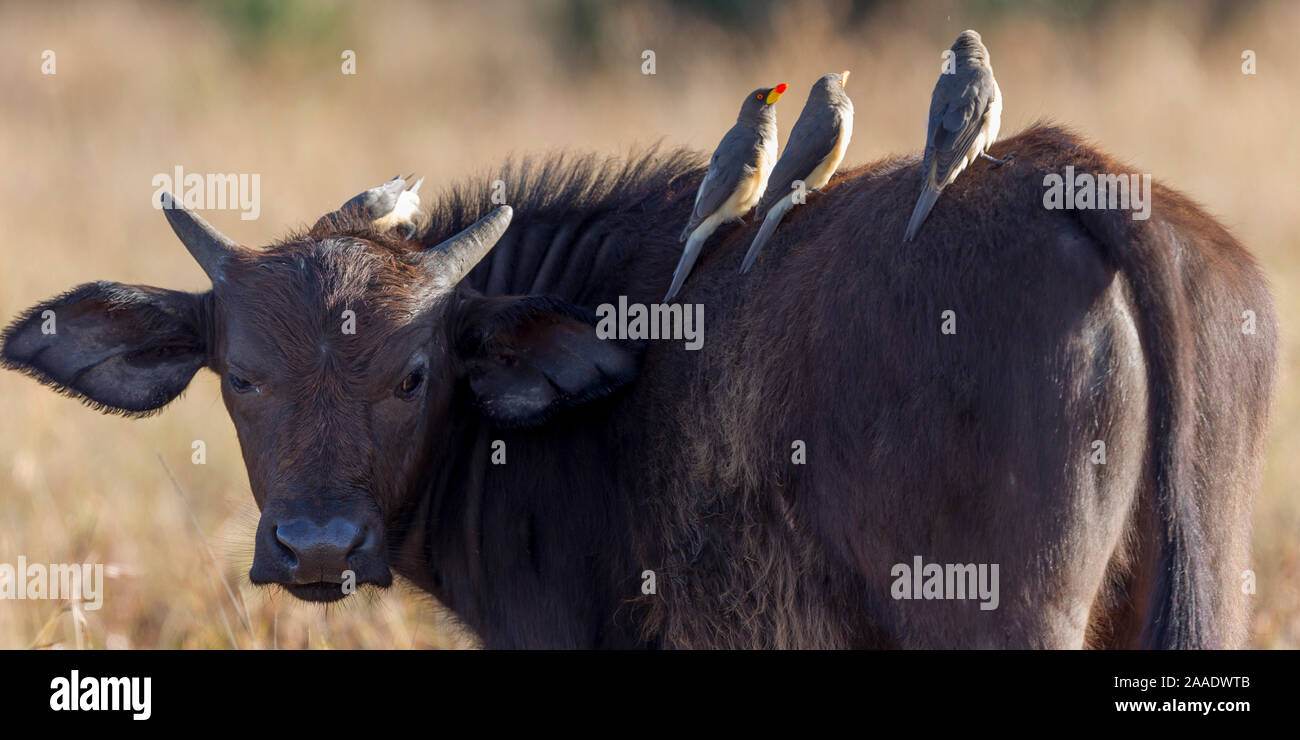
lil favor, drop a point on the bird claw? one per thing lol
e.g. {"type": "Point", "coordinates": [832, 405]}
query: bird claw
{"type": "Point", "coordinates": [998, 162]}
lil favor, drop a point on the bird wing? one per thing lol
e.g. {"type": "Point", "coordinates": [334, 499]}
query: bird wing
{"type": "Point", "coordinates": [379, 200]}
{"type": "Point", "coordinates": [812, 139]}
{"type": "Point", "coordinates": [957, 111]}
{"type": "Point", "coordinates": [735, 159]}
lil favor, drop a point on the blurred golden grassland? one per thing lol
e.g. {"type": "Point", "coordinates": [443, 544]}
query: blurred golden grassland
{"type": "Point", "coordinates": [450, 90]}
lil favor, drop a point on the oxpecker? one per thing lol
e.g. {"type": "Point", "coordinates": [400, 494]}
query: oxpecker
{"type": "Point", "coordinates": [965, 114]}
{"type": "Point", "coordinates": [736, 178]}
{"type": "Point", "coordinates": [392, 205]}
{"type": "Point", "coordinates": [812, 153]}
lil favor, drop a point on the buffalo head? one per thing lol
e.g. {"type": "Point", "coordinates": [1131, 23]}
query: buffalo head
{"type": "Point", "coordinates": [341, 354]}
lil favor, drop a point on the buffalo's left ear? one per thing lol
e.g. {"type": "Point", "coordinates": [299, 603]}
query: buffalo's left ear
{"type": "Point", "coordinates": [127, 349]}
{"type": "Point", "coordinates": [528, 357]}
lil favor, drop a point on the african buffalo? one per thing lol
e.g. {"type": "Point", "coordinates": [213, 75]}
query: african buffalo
{"type": "Point", "coordinates": [761, 491]}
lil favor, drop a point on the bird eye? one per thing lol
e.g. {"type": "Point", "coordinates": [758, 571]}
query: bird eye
{"type": "Point", "coordinates": [411, 383]}
{"type": "Point", "coordinates": [239, 384]}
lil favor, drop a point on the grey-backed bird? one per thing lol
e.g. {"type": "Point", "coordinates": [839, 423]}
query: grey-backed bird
{"type": "Point", "coordinates": [965, 114]}
{"type": "Point", "coordinates": [392, 205]}
{"type": "Point", "coordinates": [736, 178]}
{"type": "Point", "coordinates": [812, 153]}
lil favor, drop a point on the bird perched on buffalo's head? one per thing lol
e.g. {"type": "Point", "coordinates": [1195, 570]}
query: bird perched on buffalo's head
{"type": "Point", "coordinates": [965, 114]}
{"type": "Point", "coordinates": [392, 205]}
{"type": "Point", "coordinates": [812, 153]}
{"type": "Point", "coordinates": [736, 178]}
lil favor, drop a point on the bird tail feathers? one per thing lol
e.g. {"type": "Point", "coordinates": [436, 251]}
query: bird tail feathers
{"type": "Point", "coordinates": [770, 222]}
{"type": "Point", "coordinates": [691, 253]}
{"type": "Point", "coordinates": [923, 205]}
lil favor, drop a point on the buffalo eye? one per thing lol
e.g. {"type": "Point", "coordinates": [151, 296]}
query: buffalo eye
{"type": "Point", "coordinates": [411, 383]}
{"type": "Point", "coordinates": [239, 384]}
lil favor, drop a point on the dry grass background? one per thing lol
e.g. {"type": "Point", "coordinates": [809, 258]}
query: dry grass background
{"type": "Point", "coordinates": [451, 90]}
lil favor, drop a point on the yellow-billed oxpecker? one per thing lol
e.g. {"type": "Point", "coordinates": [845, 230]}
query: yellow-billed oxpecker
{"type": "Point", "coordinates": [736, 178]}
{"type": "Point", "coordinates": [965, 114]}
{"type": "Point", "coordinates": [812, 153]}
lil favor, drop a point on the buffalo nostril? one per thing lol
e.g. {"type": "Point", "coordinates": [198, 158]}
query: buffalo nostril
{"type": "Point", "coordinates": [286, 547]}
{"type": "Point", "coordinates": [321, 552]}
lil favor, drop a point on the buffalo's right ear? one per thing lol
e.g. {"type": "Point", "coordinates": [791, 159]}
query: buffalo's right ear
{"type": "Point", "coordinates": [125, 349]}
